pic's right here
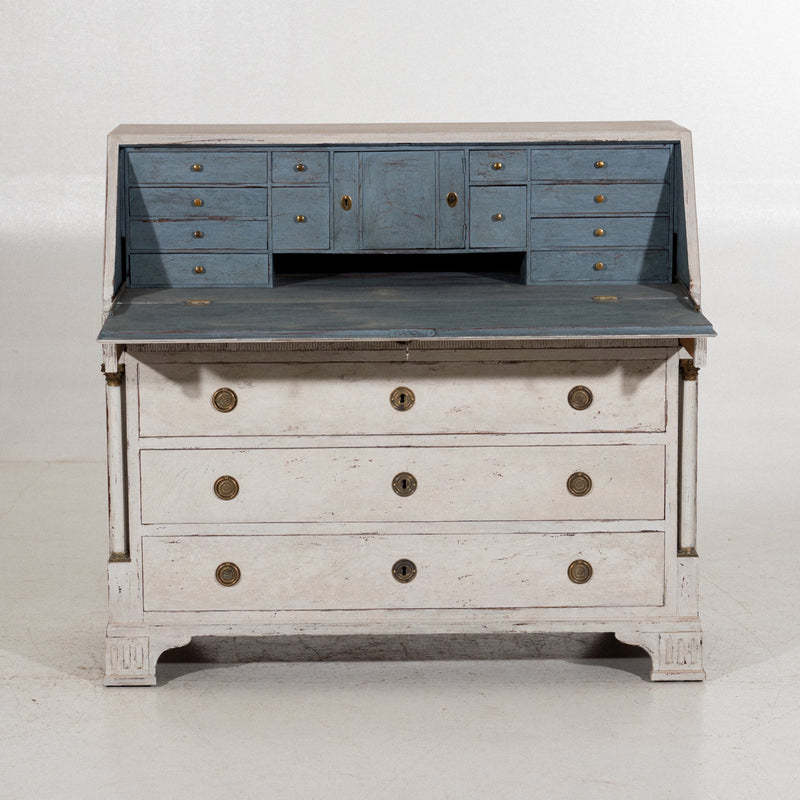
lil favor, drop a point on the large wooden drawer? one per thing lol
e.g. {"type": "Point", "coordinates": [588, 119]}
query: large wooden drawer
{"type": "Point", "coordinates": [582, 199]}
{"type": "Point", "coordinates": [200, 234]}
{"type": "Point", "coordinates": [327, 484]}
{"type": "Point", "coordinates": [356, 398]}
{"type": "Point", "coordinates": [355, 571]}
{"type": "Point", "coordinates": [205, 269]}
{"type": "Point", "coordinates": [188, 167]}
{"type": "Point", "coordinates": [601, 163]}
{"type": "Point", "coordinates": [577, 232]}
{"type": "Point", "coordinates": [192, 203]}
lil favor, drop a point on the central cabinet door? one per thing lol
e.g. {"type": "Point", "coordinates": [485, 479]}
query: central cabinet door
{"type": "Point", "coordinates": [405, 200]}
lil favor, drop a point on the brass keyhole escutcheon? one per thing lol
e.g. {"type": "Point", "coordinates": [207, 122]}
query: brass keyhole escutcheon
{"type": "Point", "coordinates": [579, 484]}
{"type": "Point", "coordinates": [197, 202]}
{"type": "Point", "coordinates": [226, 487]}
{"type": "Point", "coordinates": [580, 397]}
{"type": "Point", "coordinates": [579, 571]}
{"type": "Point", "coordinates": [452, 199]}
{"type": "Point", "coordinates": [404, 570]}
{"type": "Point", "coordinates": [347, 202]}
{"type": "Point", "coordinates": [224, 399]}
{"type": "Point", "coordinates": [404, 484]}
{"type": "Point", "coordinates": [402, 398]}
{"type": "Point", "coordinates": [228, 574]}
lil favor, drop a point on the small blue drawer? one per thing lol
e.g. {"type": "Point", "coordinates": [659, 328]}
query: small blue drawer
{"type": "Point", "coordinates": [300, 166]}
{"type": "Point", "coordinates": [195, 167]}
{"type": "Point", "coordinates": [301, 218]}
{"type": "Point", "coordinates": [498, 166]}
{"type": "Point", "coordinates": [620, 266]}
{"type": "Point", "coordinates": [202, 202]}
{"type": "Point", "coordinates": [203, 269]}
{"type": "Point", "coordinates": [601, 163]}
{"type": "Point", "coordinates": [197, 235]}
{"type": "Point", "coordinates": [644, 232]}
{"type": "Point", "coordinates": [573, 199]}
{"type": "Point", "coordinates": [497, 216]}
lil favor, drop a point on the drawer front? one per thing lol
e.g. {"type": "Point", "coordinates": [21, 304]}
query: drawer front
{"type": "Point", "coordinates": [355, 571]}
{"type": "Point", "coordinates": [601, 163]}
{"type": "Point", "coordinates": [643, 232]}
{"type": "Point", "coordinates": [497, 216]}
{"type": "Point", "coordinates": [449, 397]}
{"type": "Point", "coordinates": [208, 269]}
{"type": "Point", "coordinates": [615, 266]}
{"type": "Point", "coordinates": [194, 167]}
{"type": "Point", "coordinates": [197, 235]}
{"type": "Point", "coordinates": [361, 484]}
{"type": "Point", "coordinates": [301, 219]}
{"type": "Point", "coordinates": [569, 199]}
{"type": "Point", "coordinates": [498, 166]}
{"type": "Point", "coordinates": [177, 203]}
{"type": "Point", "coordinates": [300, 166]}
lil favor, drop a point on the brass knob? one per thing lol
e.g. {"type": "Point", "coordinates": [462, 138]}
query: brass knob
{"type": "Point", "coordinates": [579, 571]}
{"type": "Point", "coordinates": [497, 165]}
{"type": "Point", "coordinates": [404, 484]}
{"type": "Point", "coordinates": [498, 217]}
{"type": "Point", "coordinates": [199, 269]}
{"type": "Point", "coordinates": [579, 484]}
{"type": "Point", "coordinates": [197, 167]}
{"type": "Point", "coordinates": [347, 202]}
{"type": "Point", "coordinates": [580, 397]}
{"type": "Point", "coordinates": [228, 574]}
{"type": "Point", "coordinates": [599, 164]}
{"type": "Point", "coordinates": [404, 570]}
{"type": "Point", "coordinates": [402, 398]}
{"type": "Point", "coordinates": [300, 218]}
{"type": "Point", "coordinates": [599, 198]}
{"type": "Point", "coordinates": [198, 234]}
{"type": "Point", "coordinates": [224, 399]}
{"type": "Point", "coordinates": [599, 232]}
{"type": "Point", "coordinates": [299, 167]}
{"type": "Point", "coordinates": [226, 487]}
{"type": "Point", "coordinates": [197, 202]}
{"type": "Point", "coordinates": [452, 199]}
{"type": "Point", "coordinates": [599, 266]}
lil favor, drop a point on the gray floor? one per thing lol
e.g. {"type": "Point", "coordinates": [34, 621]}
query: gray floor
{"type": "Point", "coordinates": [436, 718]}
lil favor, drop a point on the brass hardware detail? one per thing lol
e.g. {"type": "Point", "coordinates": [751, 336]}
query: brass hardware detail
{"type": "Point", "coordinates": [197, 167]}
{"type": "Point", "coordinates": [404, 484]}
{"type": "Point", "coordinates": [688, 370]}
{"type": "Point", "coordinates": [579, 484]}
{"type": "Point", "coordinates": [299, 167]}
{"type": "Point", "coordinates": [198, 302]}
{"type": "Point", "coordinates": [198, 234]}
{"type": "Point", "coordinates": [404, 570]}
{"type": "Point", "coordinates": [226, 487]}
{"type": "Point", "coordinates": [347, 202]}
{"type": "Point", "coordinates": [687, 552]}
{"type": "Point", "coordinates": [599, 232]}
{"type": "Point", "coordinates": [599, 164]}
{"type": "Point", "coordinates": [452, 199]}
{"type": "Point", "coordinates": [599, 266]}
{"type": "Point", "coordinates": [197, 202]}
{"type": "Point", "coordinates": [580, 397]}
{"type": "Point", "coordinates": [498, 217]}
{"type": "Point", "coordinates": [402, 398]}
{"type": "Point", "coordinates": [113, 378]}
{"type": "Point", "coordinates": [228, 574]}
{"type": "Point", "coordinates": [605, 298]}
{"type": "Point", "coordinates": [599, 198]}
{"type": "Point", "coordinates": [224, 399]}
{"type": "Point", "coordinates": [199, 270]}
{"type": "Point", "coordinates": [579, 571]}
{"type": "Point", "coordinates": [300, 218]}
{"type": "Point", "coordinates": [498, 165]}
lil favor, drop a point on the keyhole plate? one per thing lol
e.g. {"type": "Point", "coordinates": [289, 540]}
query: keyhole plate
{"type": "Point", "coordinates": [404, 570]}
{"type": "Point", "coordinates": [402, 398]}
{"type": "Point", "coordinates": [404, 484]}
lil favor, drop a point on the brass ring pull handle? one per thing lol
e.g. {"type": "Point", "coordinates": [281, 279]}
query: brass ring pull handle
{"type": "Point", "coordinates": [404, 484]}
{"type": "Point", "coordinates": [579, 484]}
{"type": "Point", "coordinates": [224, 399]}
{"type": "Point", "coordinates": [226, 487]}
{"type": "Point", "coordinates": [579, 571]}
{"type": "Point", "coordinates": [228, 574]}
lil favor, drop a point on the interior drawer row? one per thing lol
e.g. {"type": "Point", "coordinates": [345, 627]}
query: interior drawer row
{"type": "Point", "coordinates": [222, 573]}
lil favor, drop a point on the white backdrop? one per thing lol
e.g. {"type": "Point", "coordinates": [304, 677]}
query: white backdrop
{"type": "Point", "coordinates": [729, 71]}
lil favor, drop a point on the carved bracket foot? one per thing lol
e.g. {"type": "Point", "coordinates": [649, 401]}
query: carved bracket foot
{"type": "Point", "coordinates": [131, 660]}
{"type": "Point", "coordinates": [676, 655]}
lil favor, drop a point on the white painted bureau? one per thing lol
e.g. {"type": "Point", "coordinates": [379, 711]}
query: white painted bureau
{"type": "Point", "coordinates": [402, 379]}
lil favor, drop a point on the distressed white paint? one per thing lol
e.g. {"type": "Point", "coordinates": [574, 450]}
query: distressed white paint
{"type": "Point", "coordinates": [688, 495]}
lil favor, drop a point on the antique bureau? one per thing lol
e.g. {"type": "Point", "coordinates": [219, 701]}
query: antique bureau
{"type": "Point", "coordinates": [402, 379]}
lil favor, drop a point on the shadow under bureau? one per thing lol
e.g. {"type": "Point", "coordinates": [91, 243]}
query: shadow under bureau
{"type": "Point", "coordinates": [402, 379]}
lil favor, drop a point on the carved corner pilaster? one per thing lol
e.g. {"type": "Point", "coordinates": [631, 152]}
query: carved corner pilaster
{"type": "Point", "coordinates": [676, 655]}
{"type": "Point", "coordinates": [131, 660]}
